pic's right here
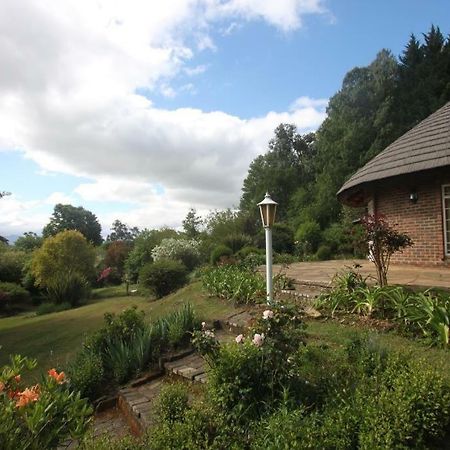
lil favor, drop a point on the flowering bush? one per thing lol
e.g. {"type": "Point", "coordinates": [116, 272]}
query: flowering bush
{"type": "Point", "coordinates": [40, 416]}
{"type": "Point", "coordinates": [280, 326]}
{"type": "Point", "coordinates": [252, 374]}
{"type": "Point", "coordinates": [184, 250]}
{"type": "Point", "coordinates": [205, 341]}
{"type": "Point", "coordinates": [384, 240]}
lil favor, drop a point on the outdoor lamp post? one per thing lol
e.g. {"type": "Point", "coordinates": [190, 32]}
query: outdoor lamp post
{"type": "Point", "coordinates": [268, 209]}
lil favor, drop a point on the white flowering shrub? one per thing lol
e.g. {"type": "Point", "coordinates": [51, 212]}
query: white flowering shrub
{"type": "Point", "coordinates": [185, 250]}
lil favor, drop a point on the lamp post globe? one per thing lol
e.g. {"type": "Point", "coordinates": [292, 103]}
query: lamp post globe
{"type": "Point", "coordinates": [268, 208]}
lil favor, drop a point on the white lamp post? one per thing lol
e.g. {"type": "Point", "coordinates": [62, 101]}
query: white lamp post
{"type": "Point", "coordinates": [268, 209]}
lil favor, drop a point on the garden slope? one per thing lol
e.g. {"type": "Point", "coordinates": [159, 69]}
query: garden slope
{"type": "Point", "coordinates": [54, 338]}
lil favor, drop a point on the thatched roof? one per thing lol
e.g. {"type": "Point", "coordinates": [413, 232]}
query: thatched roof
{"type": "Point", "coordinates": [424, 147]}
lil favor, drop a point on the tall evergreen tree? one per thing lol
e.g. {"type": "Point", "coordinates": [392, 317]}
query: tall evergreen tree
{"type": "Point", "coordinates": [280, 171]}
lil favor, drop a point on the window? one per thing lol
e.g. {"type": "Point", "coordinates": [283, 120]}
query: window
{"type": "Point", "coordinates": [446, 211]}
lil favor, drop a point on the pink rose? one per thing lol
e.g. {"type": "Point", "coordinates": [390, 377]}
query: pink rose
{"type": "Point", "coordinates": [239, 338]}
{"type": "Point", "coordinates": [267, 314]}
{"type": "Point", "coordinates": [258, 339]}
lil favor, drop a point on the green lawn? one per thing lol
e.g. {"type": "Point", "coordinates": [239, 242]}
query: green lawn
{"type": "Point", "coordinates": [337, 335]}
{"type": "Point", "coordinates": [54, 338]}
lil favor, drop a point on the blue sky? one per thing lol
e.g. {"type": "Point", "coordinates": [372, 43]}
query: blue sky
{"type": "Point", "coordinates": [140, 111]}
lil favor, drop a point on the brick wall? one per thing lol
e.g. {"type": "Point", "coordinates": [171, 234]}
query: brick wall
{"type": "Point", "coordinates": [422, 220]}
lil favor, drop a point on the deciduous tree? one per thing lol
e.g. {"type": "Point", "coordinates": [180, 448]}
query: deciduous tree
{"type": "Point", "coordinates": [68, 252]}
{"type": "Point", "coordinates": [68, 217]}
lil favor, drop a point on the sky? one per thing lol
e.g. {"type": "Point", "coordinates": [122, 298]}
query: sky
{"type": "Point", "coordinates": [140, 110]}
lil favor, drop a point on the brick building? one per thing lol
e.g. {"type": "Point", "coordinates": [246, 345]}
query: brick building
{"type": "Point", "coordinates": [409, 183]}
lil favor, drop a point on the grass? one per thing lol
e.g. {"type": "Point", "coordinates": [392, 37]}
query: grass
{"type": "Point", "coordinates": [337, 335]}
{"type": "Point", "coordinates": [55, 338]}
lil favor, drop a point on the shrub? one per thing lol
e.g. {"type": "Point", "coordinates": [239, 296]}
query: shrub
{"type": "Point", "coordinates": [384, 401]}
{"type": "Point", "coordinates": [40, 416]}
{"type": "Point", "coordinates": [409, 404]}
{"type": "Point", "coordinates": [11, 295]}
{"type": "Point", "coordinates": [68, 287]}
{"type": "Point", "coordinates": [253, 261]}
{"type": "Point", "coordinates": [309, 234]}
{"type": "Point", "coordinates": [384, 241]}
{"type": "Point", "coordinates": [244, 252]}
{"type": "Point", "coordinates": [172, 403]}
{"type": "Point", "coordinates": [86, 374]}
{"type": "Point", "coordinates": [342, 239]}
{"type": "Point", "coordinates": [28, 242]}
{"type": "Point", "coordinates": [141, 254]}
{"type": "Point", "coordinates": [62, 264]}
{"type": "Point", "coordinates": [251, 375]}
{"type": "Point", "coordinates": [115, 257]}
{"type": "Point", "coordinates": [184, 250]}
{"type": "Point", "coordinates": [236, 241]}
{"type": "Point", "coordinates": [324, 253]}
{"type": "Point", "coordinates": [12, 263]}
{"type": "Point", "coordinates": [198, 428]}
{"type": "Point", "coordinates": [117, 328]}
{"type": "Point", "coordinates": [235, 283]}
{"type": "Point", "coordinates": [220, 252]}
{"type": "Point", "coordinates": [282, 238]}
{"type": "Point", "coordinates": [49, 307]}
{"type": "Point", "coordinates": [163, 277]}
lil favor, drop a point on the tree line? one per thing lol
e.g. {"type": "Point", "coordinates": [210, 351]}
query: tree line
{"type": "Point", "coordinates": [375, 105]}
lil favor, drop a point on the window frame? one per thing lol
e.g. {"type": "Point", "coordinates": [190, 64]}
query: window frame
{"type": "Point", "coordinates": [445, 219]}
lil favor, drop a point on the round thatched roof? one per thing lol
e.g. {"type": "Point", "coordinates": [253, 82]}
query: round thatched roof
{"type": "Point", "coordinates": [424, 147]}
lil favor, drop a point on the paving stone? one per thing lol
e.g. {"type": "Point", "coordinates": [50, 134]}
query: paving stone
{"type": "Point", "coordinates": [201, 378]}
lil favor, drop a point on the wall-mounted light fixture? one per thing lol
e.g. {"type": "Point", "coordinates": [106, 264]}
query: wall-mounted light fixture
{"type": "Point", "coordinates": [413, 197]}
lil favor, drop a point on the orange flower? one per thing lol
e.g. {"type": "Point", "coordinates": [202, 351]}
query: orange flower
{"type": "Point", "coordinates": [2, 386]}
{"type": "Point", "coordinates": [58, 377]}
{"type": "Point", "coordinates": [12, 394]}
{"type": "Point", "coordinates": [27, 396]}
{"type": "Point", "coordinates": [17, 378]}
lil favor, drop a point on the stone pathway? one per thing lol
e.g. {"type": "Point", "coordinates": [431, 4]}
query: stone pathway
{"type": "Point", "coordinates": [322, 272]}
{"type": "Point", "coordinates": [137, 404]}
{"type": "Point", "coordinates": [109, 422]}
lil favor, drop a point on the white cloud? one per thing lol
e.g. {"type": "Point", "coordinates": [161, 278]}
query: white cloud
{"type": "Point", "coordinates": [109, 189]}
{"type": "Point", "coordinates": [59, 197]}
{"type": "Point", "coordinates": [18, 216]}
{"type": "Point", "coordinates": [192, 71]}
{"type": "Point", "coordinates": [168, 91]}
{"type": "Point", "coordinates": [307, 102]}
{"type": "Point", "coordinates": [285, 15]}
{"type": "Point", "coordinates": [68, 83]}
